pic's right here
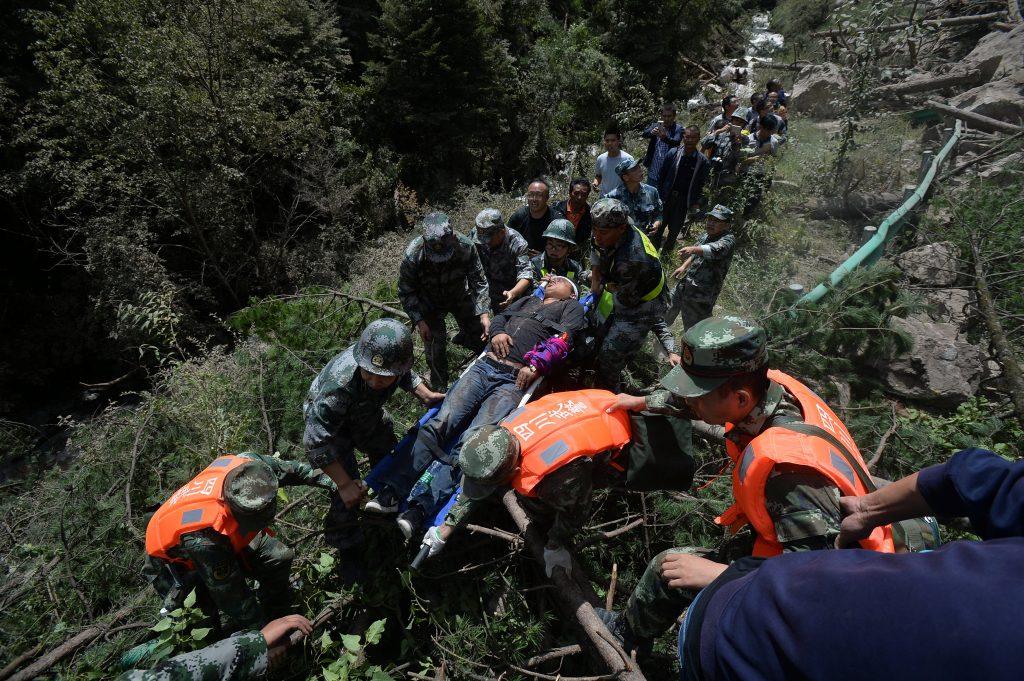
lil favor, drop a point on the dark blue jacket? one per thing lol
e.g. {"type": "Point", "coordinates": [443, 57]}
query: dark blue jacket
{"type": "Point", "coordinates": [954, 613]}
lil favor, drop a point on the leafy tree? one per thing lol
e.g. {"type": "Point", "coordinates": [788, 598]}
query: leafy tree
{"type": "Point", "coordinates": [436, 93]}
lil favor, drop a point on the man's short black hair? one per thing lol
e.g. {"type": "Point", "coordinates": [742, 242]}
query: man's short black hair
{"type": "Point", "coordinates": [612, 130]}
{"type": "Point", "coordinates": [577, 181]}
{"type": "Point", "coordinates": [769, 122]}
{"type": "Point", "coordinates": [773, 86]}
{"type": "Point", "coordinates": [727, 100]}
{"type": "Point", "coordinates": [755, 98]}
{"type": "Point", "coordinates": [668, 106]}
{"type": "Point", "coordinates": [761, 105]}
{"type": "Point", "coordinates": [755, 381]}
{"type": "Point", "coordinates": [691, 128]}
{"type": "Point", "coordinates": [547, 185]}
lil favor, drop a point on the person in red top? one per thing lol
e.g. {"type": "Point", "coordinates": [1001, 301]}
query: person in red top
{"type": "Point", "coordinates": [212, 534]}
{"type": "Point", "coordinates": [576, 210]}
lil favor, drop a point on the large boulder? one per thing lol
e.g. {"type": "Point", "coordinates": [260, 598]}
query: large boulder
{"type": "Point", "coordinates": [932, 264]}
{"type": "Point", "coordinates": [1000, 58]}
{"type": "Point", "coordinates": [949, 305]}
{"type": "Point", "coordinates": [941, 368]}
{"type": "Point", "coordinates": [817, 91]}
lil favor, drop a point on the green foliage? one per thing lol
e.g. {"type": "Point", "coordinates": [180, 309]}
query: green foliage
{"type": "Point", "coordinates": [178, 632]}
{"type": "Point", "coordinates": [350, 659]}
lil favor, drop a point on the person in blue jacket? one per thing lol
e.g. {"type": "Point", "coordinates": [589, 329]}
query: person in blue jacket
{"type": "Point", "coordinates": [953, 613]}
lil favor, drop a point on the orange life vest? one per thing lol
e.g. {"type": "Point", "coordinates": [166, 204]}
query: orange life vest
{"type": "Point", "coordinates": [754, 460]}
{"type": "Point", "coordinates": [196, 506]}
{"type": "Point", "coordinates": [560, 428]}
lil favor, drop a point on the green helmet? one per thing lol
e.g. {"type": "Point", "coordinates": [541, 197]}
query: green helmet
{"type": "Point", "coordinates": [385, 348]}
{"type": "Point", "coordinates": [561, 229]}
{"type": "Point", "coordinates": [250, 491]}
{"type": "Point", "coordinates": [488, 457]}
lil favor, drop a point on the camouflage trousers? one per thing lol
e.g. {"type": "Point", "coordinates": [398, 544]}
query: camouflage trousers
{"type": "Point", "coordinates": [265, 559]}
{"type": "Point", "coordinates": [468, 337]}
{"type": "Point", "coordinates": [376, 440]}
{"type": "Point", "coordinates": [688, 302]}
{"type": "Point", "coordinates": [654, 606]}
{"type": "Point", "coordinates": [627, 329]}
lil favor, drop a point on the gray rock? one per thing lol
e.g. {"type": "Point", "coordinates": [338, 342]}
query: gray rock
{"type": "Point", "coordinates": [1006, 170]}
{"type": "Point", "coordinates": [817, 90]}
{"type": "Point", "coordinates": [999, 57]}
{"type": "Point", "coordinates": [932, 264]}
{"type": "Point", "coordinates": [950, 305]}
{"type": "Point", "coordinates": [941, 368]}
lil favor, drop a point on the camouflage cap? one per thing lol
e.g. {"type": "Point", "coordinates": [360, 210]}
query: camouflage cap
{"type": "Point", "coordinates": [438, 236]}
{"type": "Point", "coordinates": [625, 165]}
{"type": "Point", "coordinates": [721, 212]}
{"type": "Point", "coordinates": [561, 229]}
{"type": "Point", "coordinates": [488, 221]}
{"type": "Point", "coordinates": [488, 457]}
{"type": "Point", "coordinates": [385, 348]}
{"type": "Point", "coordinates": [609, 213]}
{"type": "Point", "coordinates": [713, 351]}
{"type": "Point", "coordinates": [250, 491]}
{"type": "Point", "coordinates": [741, 113]}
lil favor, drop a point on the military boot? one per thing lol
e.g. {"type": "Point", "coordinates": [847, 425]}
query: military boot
{"type": "Point", "coordinates": [618, 626]}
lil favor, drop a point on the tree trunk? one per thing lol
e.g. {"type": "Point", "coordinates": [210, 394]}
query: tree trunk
{"type": "Point", "coordinates": [979, 121]}
{"type": "Point", "coordinates": [970, 77]}
{"type": "Point", "coordinates": [889, 28]}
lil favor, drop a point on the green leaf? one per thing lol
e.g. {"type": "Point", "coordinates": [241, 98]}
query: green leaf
{"type": "Point", "coordinates": [330, 675]}
{"type": "Point", "coordinates": [201, 633]}
{"type": "Point", "coordinates": [326, 641]}
{"type": "Point", "coordinates": [373, 633]}
{"type": "Point", "coordinates": [351, 642]}
{"type": "Point", "coordinates": [163, 625]}
{"type": "Point", "coordinates": [282, 496]}
{"type": "Point", "coordinates": [378, 674]}
{"type": "Point", "coordinates": [190, 600]}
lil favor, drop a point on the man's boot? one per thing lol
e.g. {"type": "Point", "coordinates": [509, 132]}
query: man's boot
{"type": "Point", "coordinates": [618, 626]}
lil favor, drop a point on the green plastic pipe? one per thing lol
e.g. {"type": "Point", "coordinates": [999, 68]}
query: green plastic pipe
{"type": "Point", "coordinates": [871, 251]}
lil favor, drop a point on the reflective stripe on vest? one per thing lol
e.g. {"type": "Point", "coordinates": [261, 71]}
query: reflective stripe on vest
{"type": "Point", "coordinates": [197, 505]}
{"type": "Point", "coordinates": [570, 275]}
{"type": "Point", "coordinates": [653, 252]}
{"type": "Point", "coordinates": [560, 428]}
{"type": "Point", "coordinates": [777, 445]}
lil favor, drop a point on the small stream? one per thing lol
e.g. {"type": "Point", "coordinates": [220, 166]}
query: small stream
{"type": "Point", "coordinates": [738, 76]}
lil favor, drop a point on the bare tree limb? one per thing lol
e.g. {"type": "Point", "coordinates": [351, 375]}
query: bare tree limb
{"type": "Point", "coordinates": [556, 654]}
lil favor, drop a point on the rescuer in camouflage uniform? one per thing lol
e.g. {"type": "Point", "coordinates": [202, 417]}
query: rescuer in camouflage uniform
{"type": "Point", "coordinates": [245, 655]}
{"type": "Point", "coordinates": [702, 275]}
{"type": "Point", "coordinates": [503, 253]}
{"type": "Point", "coordinates": [626, 266]}
{"type": "Point", "coordinates": [555, 261]}
{"type": "Point", "coordinates": [441, 274]}
{"type": "Point", "coordinates": [344, 411]}
{"type": "Point", "coordinates": [802, 503]}
{"type": "Point", "coordinates": [641, 200]}
{"type": "Point", "coordinates": [219, 575]}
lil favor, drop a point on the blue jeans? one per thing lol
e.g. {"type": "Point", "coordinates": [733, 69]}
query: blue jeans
{"type": "Point", "coordinates": [484, 395]}
{"type": "Point", "coordinates": [682, 638]}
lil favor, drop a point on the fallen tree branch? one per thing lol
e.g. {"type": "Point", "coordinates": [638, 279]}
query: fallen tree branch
{"type": "Point", "coordinates": [929, 23]}
{"type": "Point", "coordinates": [611, 534]}
{"type": "Point", "coordinates": [877, 456]}
{"type": "Point", "coordinates": [997, 149]}
{"type": "Point", "coordinates": [970, 77]}
{"type": "Point", "coordinates": [548, 677]}
{"type": "Point", "coordinates": [372, 303]}
{"type": "Point", "coordinates": [1007, 358]}
{"type": "Point", "coordinates": [324, 616]}
{"type": "Point", "coordinates": [983, 122]}
{"type": "Point", "coordinates": [556, 654]}
{"type": "Point", "coordinates": [699, 66]}
{"type": "Point", "coordinates": [82, 638]}
{"type": "Point", "coordinates": [609, 598]}
{"type": "Point", "coordinates": [571, 597]}
{"type": "Point", "coordinates": [492, 532]}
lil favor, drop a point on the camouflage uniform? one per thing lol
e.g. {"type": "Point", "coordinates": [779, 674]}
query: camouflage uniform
{"type": "Point", "coordinates": [644, 207]}
{"type": "Point", "coordinates": [434, 283]}
{"type": "Point", "coordinates": [700, 287]}
{"type": "Point", "coordinates": [630, 271]}
{"type": "Point", "coordinates": [342, 414]}
{"type": "Point", "coordinates": [506, 263]}
{"type": "Point", "coordinates": [220, 577]}
{"type": "Point", "coordinates": [803, 504]}
{"type": "Point", "coordinates": [243, 656]}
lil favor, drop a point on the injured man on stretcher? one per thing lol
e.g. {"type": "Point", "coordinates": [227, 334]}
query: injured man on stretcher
{"type": "Point", "coordinates": [527, 340]}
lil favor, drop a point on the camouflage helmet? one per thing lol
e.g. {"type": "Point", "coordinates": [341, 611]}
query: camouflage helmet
{"type": "Point", "coordinates": [609, 213]}
{"type": "Point", "coordinates": [561, 229]}
{"type": "Point", "coordinates": [438, 237]}
{"type": "Point", "coordinates": [713, 351]}
{"type": "Point", "coordinates": [250, 491]}
{"type": "Point", "coordinates": [488, 221]}
{"type": "Point", "coordinates": [488, 457]}
{"type": "Point", "coordinates": [385, 348]}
